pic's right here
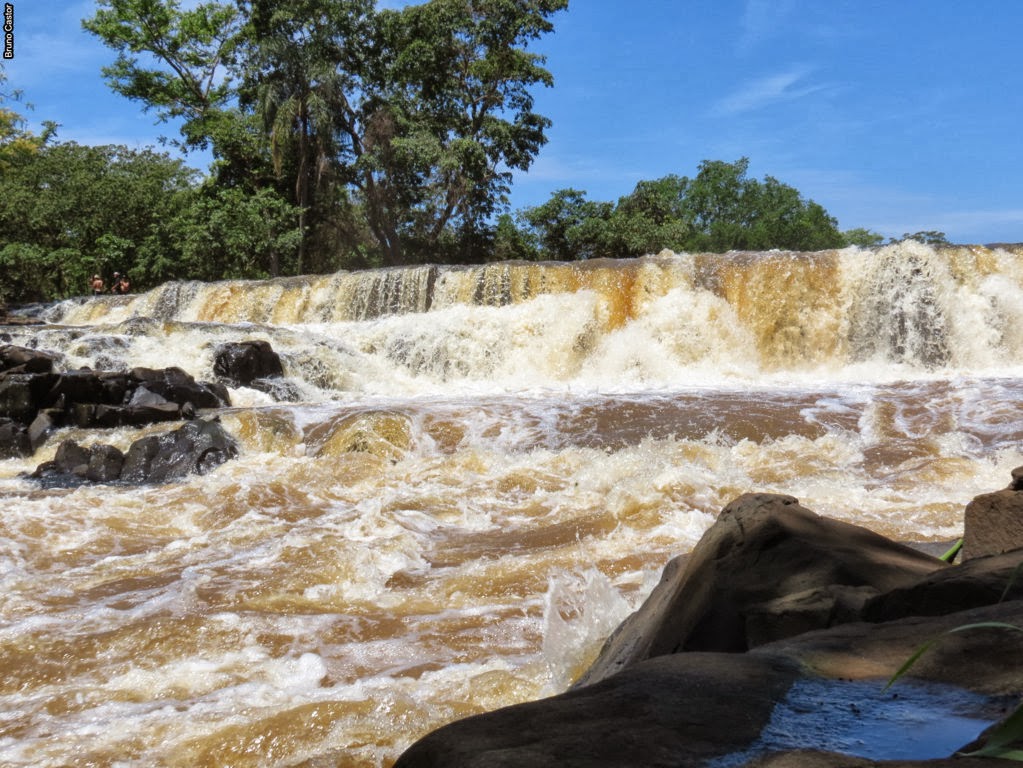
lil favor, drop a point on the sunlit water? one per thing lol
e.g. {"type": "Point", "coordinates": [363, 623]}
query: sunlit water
{"type": "Point", "coordinates": [484, 473]}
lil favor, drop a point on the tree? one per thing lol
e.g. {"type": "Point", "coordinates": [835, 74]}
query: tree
{"type": "Point", "coordinates": [448, 115]}
{"type": "Point", "coordinates": [718, 210]}
{"type": "Point", "coordinates": [227, 233]}
{"type": "Point", "coordinates": [68, 211]}
{"type": "Point", "coordinates": [16, 141]}
{"type": "Point", "coordinates": [928, 237]}
{"type": "Point", "coordinates": [295, 78]}
{"type": "Point", "coordinates": [413, 118]}
{"type": "Point", "coordinates": [733, 212]}
{"type": "Point", "coordinates": [652, 217]}
{"type": "Point", "coordinates": [177, 62]}
{"type": "Point", "coordinates": [862, 237]}
{"type": "Point", "coordinates": [182, 64]}
{"type": "Point", "coordinates": [568, 226]}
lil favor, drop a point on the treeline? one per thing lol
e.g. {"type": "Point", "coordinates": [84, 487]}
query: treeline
{"type": "Point", "coordinates": [342, 137]}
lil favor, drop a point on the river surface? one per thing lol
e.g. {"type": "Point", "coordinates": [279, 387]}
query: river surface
{"type": "Point", "coordinates": [467, 479]}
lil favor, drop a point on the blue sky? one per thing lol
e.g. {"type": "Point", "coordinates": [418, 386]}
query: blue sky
{"type": "Point", "coordinates": [895, 115]}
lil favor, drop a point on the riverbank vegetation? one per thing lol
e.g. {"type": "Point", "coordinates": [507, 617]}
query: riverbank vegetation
{"type": "Point", "coordinates": [342, 137]}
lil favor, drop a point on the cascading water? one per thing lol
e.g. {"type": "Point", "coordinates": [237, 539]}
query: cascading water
{"type": "Point", "coordinates": [472, 474]}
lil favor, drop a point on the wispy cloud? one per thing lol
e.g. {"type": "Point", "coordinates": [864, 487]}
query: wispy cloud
{"type": "Point", "coordinates": [766, 91]}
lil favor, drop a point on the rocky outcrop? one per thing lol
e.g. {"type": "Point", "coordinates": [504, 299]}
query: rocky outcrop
{"type": "Point", "coordinates": [771, 645]}
{"type": "Point", "coordinates": [993, 523]}
{"type": "Point", "coordinates": [768, 568]}
{"type": "Point", "coordinates": [39, 398]}
{"type": "Point", "coordinates": [195, 448]}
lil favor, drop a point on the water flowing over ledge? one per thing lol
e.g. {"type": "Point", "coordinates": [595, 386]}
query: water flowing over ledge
{"type": "Point", "coordinates": [648, 320]}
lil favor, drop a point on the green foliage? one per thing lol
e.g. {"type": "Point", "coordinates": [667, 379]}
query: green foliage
{"type": "Point", "coordinates": [570, 227]}
{"type": "Point", "coordinates": [862, 237]}
{"type": "Point", "coordinates": [950, 554]}
{"type": "Point", "coordinates": [68, 211]}
{"type": "Point", "coordinates": [16, 141]}
{"type": "Point", "coordinates": [415, 118]}
{"type": "Point", "coordinates": [228, 233]}
{"type": "Point", "coordinates": [929, 237]}
{"type": "Point", "coordinates": [718, 210]}
{"type": "Point", "coordinates": [176, 62]}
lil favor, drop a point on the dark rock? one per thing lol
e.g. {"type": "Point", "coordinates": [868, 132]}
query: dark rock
{"type": "Point", "coordinates": [197, 447]}
{"type": "Point", "coordinates": [179, 387]}
{"type": "Point", "coordinates": [116, 387]}
{"type": "Point", "coordinates": [14, 439]}
{"type": "Point", "coordinates": [46, 422]}
{"type": "Point", "coordinates": [83, 414]}
{"type": "Point", "coordinates": [981, 581]}
{"type": "Point", "coordinates": [281, 390]}
{"type": "Point", "coordinates": [70, 455]}
{"type": "Point", "coordinates": [677, 710]}
{"type": "Point", "coordinates": [688, 709]}
{"type": "Point", "coordinates": [81, 386]}
{"type": "Point", "coordinates": [15, 359]}
{"type": "Point", "coordinates": [242, 362]}
{"type": "Point", "coordinates": [105, 462]}
{"type": "Point", "coordinates": [106, 416]}
{"type": "Point", "coordinates": [766, 569]}
{"type": "Point", "coordinates": [992, 524]}
{"type": "Point", "coordinates": [143, 396]}
{"type": "Point", "coordinates": [23, 394]}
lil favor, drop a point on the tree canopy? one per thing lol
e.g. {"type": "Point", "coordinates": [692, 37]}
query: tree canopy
{"type": "Point", "coordinates": [401, 124]}
{"type": "Point", "coordinates": [720, 209]}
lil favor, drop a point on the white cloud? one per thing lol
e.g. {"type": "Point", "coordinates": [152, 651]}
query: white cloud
{"type": "Point", "coordinates": [766, 91]}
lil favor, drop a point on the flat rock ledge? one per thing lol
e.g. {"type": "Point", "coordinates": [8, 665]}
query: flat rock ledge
{"type": "Point", "coordinates": [771, 645]}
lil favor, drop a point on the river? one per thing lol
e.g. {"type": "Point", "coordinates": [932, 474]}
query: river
{"type": "Point", "coordinates": [468, 478]}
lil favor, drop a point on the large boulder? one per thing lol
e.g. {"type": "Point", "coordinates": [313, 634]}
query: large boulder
{"type": "Point", "coordinates": [177, 386]}
{"type": "Point", "coordinates": [993, 523]}
{"type": "Point", "coordinates": [196, 448]}
{"type": "Point", "coordinates": [240, 363]}
{"type": "Point", "coordinates": [23, 394]}
{"type": "Point", "coordinates": [681, 710]}
{"type": "Point", "coordinates": [15, 359]}
{"type": "Point", "coordinates": [768, 568]}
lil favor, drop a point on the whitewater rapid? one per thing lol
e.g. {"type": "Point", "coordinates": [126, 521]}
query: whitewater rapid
{"type": "Point", "coordinates": [468, 477]}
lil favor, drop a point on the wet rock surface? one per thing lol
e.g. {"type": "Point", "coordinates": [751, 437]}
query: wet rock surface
{"type": "Point", "coordinates": [778, 613]}
{"type": "Point", "coordinates": [240, 363]}
{"type": "Point", "coordinates": [197, 447]}
{"type": "Point", "coordinates": [41, 399]}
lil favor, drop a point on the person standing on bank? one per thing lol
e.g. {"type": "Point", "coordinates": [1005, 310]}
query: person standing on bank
{"type": "Point", "coordinates": [121, 284]}
{"type": "Point", "coordinates": [97, 285]}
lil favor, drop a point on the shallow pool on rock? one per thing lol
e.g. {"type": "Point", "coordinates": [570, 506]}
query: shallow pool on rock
{"type": "Point", "coordinates": [912, 720]}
